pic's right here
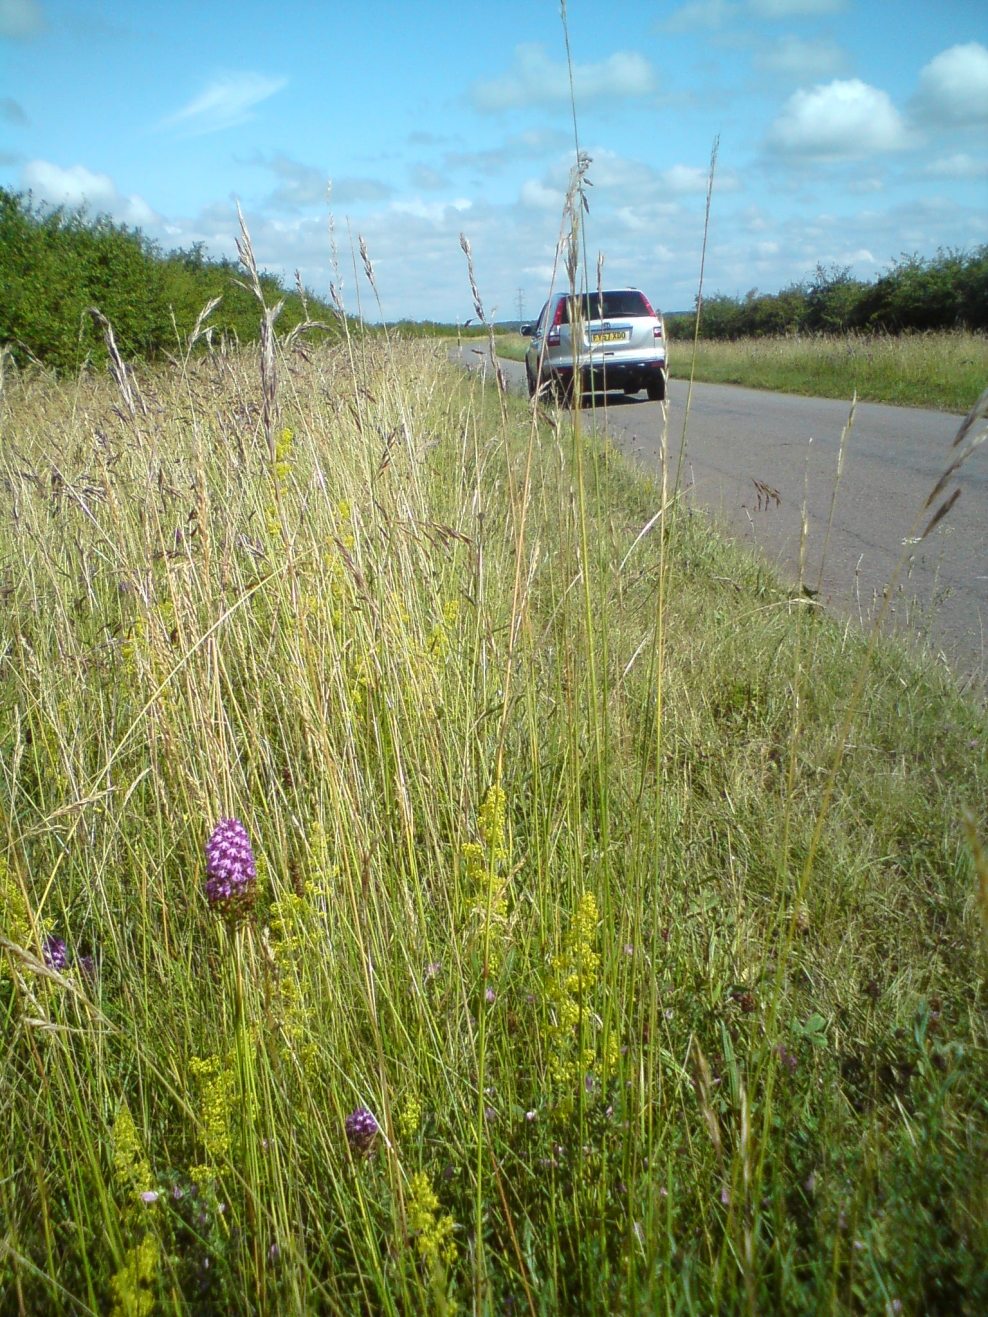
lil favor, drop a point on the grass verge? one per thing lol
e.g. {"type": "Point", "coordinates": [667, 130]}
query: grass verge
{"type": "Point", "coordinates": [945, 371]}
{"type": "Point", "coordinates": [528, 834]}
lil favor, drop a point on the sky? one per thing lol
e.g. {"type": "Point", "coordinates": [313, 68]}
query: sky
{"type": "Point", "coordinates": [852, 132]}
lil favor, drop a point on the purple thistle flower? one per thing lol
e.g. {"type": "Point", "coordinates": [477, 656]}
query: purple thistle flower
{"type": "Point", "coordinates": [361, 1131]}
{"type": "Point", "coordinates": [230, 870]}
{"type": "Point", "coordinates": [56, 952]}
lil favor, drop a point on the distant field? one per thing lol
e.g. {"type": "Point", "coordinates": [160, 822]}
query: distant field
{"type": "Point", "coordinates": [946, 371]}
{"type": "Point", "coordinates": [942, 370]}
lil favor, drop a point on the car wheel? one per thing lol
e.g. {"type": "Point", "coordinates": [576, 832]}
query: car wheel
{"type": "Point", "coordinates": [656, 389]}
{"type": "Point", "coordinates": [531, 382]}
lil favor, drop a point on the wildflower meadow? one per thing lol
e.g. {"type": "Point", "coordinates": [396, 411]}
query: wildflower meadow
{"type": "Point", "coordinates": [440, 873]}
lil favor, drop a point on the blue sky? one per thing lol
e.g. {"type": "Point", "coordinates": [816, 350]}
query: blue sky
{"type": "Point", "coordinates": [850, 133]}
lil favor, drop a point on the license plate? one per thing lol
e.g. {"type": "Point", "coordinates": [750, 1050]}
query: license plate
{"type": "Point", "coordinates": [609, 336]}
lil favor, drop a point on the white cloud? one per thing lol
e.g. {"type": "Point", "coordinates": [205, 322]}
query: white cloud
{"type": "Point", "coordinates": [351, 190]}
{"type": "Point", "coordinates": [961, 165]}
{"type": "Point", "coordinates": [532, 144]}
{"type": "Point", "coordinates": [712, 15]}
{"type": "Point", "coordinates": [701, 15]}
{"type": "Point", "coordinates": [795, 8]}
{"type": "Point", "coordinates": [227, 101]}
{"type": "Point", "coordinates": [536, 80]}
{"type": "Point", "coordinates": [21, 19]}
{"type": "Point", "coordinates": [433, 211]}
{"type": "Point", "coordinates": [536, 196]}
{"type": "Point", "coordinates": [802, 61]}
{"type": "Point", "coordinates": [683, 179]}
{"type": "Point", "coordinates": [841, 120]}
{"type": "Point", "coordinates": [78, 188]}
{"type": "Point", "coordinates": [427, 178]}
{"type": "Point", "coordinates": [953, 87]}
{"type": "Point", "coordinates": [301, 185]}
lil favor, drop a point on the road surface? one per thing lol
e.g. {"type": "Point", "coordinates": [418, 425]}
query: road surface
{"type": "Point", "coordinates": [751, 457]}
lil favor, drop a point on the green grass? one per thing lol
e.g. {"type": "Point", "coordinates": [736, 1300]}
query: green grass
{"type": "Point", "coordinates": [512, 346]}
{"type": "Point", "coordinates": [631, 1051]}
{"type": "Point", "coordinates": [941, 370]}
{"type": "Point", "coordinates": [944, 370]}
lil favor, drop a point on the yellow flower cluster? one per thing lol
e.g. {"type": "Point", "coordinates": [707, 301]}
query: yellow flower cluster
{"type": "Point", "coordinates": [131, 1168]}
{"type": "Point", "coordinates": [573, 976]}
{"type": "Point", "coordinates": [411, 1116]}
{"type": "Point", "coordinates": [289, 924]}
{"type": "Point", "coordinates": [132, 1293]}
{"type": "Point", "coordinates": [433, 1235]}
{"type": "Point", "coordinates": [217, 1095]}
{"type": "Point", "coordinates": [131, 1285]}
{"type": "Point", "coordinates": [279, 474]}
{"type": "Point", "coordinates": [483, 861]}
{"type": "Point", "coordinates": [16, 923]}
{"type": "Point", "coordinates": [439, 640]}
{"type": "Point", "coordinates": [344, 513]}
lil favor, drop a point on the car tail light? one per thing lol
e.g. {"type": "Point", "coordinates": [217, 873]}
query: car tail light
{"type": "Point", "coordinates": [552, 338]}
{"type": "Point", "coordinates": [657, 331]}
{"type": "Point", "coordinates": [648, 306]}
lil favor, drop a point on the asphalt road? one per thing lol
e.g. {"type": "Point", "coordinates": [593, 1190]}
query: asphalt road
{"type": "Point", "coordinates": [750, 459]}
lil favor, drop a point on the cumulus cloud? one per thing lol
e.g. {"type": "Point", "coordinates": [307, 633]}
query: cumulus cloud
{"type": "Point", "coordinates": [960, 165]}
{"type": "Point", "coordinates": [351, 189]}
{"type": "Point", "coordinates": [702, 15]}
{"type": "Point", "coordinates": [533, 144]}
{"type": "Point", "coordinates": [427, 178]}
{"type": "Point", "coordinates": [842, 120]}
{"type": "Point", "coordinates": [953, 87]}
{"type": "Point", "coordinates": [802, 61]}
{"type": "Point", "coordinates": [77, 188]}
{"type": "Point", "coordinates": [300, 185]}
{"type": "Point", "coordinates": [226, 102]}
{"type": "Point", "coordinates": [712, 15]}
{"type": "Point", "coordinates": [794, 8]}
{"type": "Point", "coordinates": [535, 195]}
{"type": "Point", "coordinates": [535, 80]}
{"type": "Point", "coordinates": [436, 212]}
{"type": "Point", "coordinates": [21, 19]}
{"type": "Point", "coordinates": [681, 180]}
{"type": "Point", "coordinates": [13, 113]}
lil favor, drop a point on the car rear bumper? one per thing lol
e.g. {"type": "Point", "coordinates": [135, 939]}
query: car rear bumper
{"type": "Point", "coordinates": [627, 375]}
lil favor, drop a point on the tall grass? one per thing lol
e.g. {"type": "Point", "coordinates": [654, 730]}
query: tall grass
{"type": "Point", "coordinates": [619, 1060]}
{"type": "Point", "coordinates": [945, 370]}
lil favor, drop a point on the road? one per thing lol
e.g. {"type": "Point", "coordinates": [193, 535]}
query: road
{"type": "Point", "coordinates": [750, 459]}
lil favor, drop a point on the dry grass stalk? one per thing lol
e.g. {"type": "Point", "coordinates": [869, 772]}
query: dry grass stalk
{"type": "Point", "coordinates": [478, 306]}
{"type": "Point", "coordinates": [269, 374]}
{"type": "Point", "coordinates": [703, 1086]}
{"type": "Point", "coordinates": [117, 368]}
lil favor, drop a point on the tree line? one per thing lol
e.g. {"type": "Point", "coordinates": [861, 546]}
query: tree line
{"type": "Point", "coordinates": [55, 264]}
{"type": "Point", "coordinates": [915, 294]}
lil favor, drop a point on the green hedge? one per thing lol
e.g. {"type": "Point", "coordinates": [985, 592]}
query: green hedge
{"type": "Point", "coordinates": [54, 264]}
{"type": "Point", "coordinates": [946, 291]}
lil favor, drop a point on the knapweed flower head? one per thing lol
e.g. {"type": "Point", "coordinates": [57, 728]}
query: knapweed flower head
{"type": "Point", "coordinates": [231, 873]}
{"type": "Point", "coordinates": [56, 952]}
{"type": "Point", "coordinates": [361, 1131]}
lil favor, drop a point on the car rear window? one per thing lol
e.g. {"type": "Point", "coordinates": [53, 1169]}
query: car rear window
{"type": "Point", "coordinates": [625, 302]}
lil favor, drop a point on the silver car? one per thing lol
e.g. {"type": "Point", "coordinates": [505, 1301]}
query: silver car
{"type": "Point", "coordinates": [622, 344]}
